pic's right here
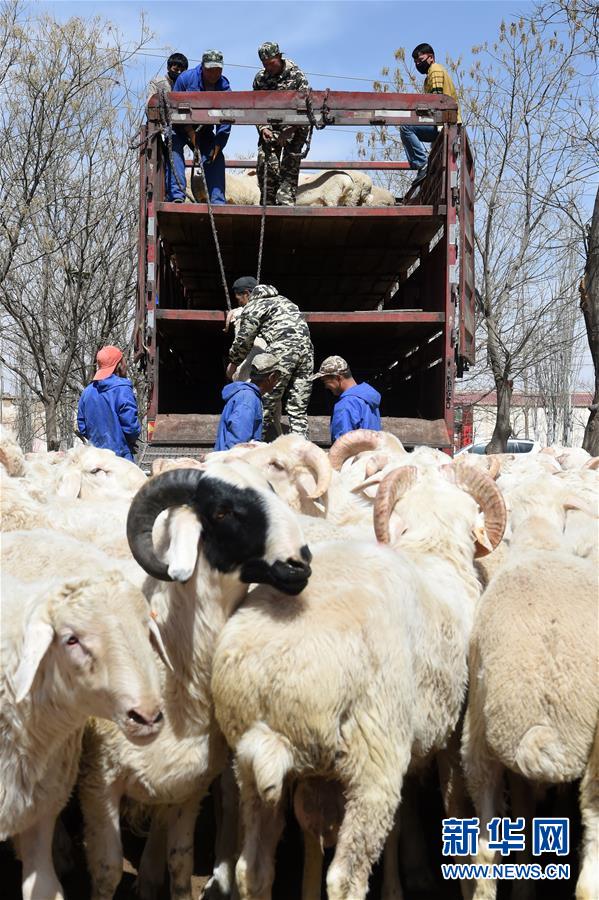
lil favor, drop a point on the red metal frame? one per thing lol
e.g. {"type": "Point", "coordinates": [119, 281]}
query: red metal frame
{"type": "Point", "coordinates": [466, 351]}
{"type": "Point", "coordinates": [442, 195]}
{"type": "Point", "coordinates": [380, 317]}
{"type": "Point", "coordinates": [289, 107]}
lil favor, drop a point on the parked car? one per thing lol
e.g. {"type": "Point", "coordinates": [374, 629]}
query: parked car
{"type": "Point", "coordinates": [514, 445]}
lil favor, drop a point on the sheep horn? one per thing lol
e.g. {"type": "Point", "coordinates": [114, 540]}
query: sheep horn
{"type": "Point", "coordinates": [391, 489]}
{"type": "Point", "coordinates": [489, 498]}
{"type": "Point", "coordinates": [592, 463]}
{"type": "Point", "coordinates": [318, 462]}
{"type": "Point", "coordinates": [175, 487]}
{"type": "Point", "coordinates": [352, 443]}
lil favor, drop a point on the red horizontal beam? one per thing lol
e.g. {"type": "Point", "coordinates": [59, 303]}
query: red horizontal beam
{"type": "Point", "coordinates": [289, 108]}
{"type": "Point", "coordinates": [350, 100]}
{"type": "Point", "coordinates": [193, 209]}
{"type": "Point", "coordinates": [320, 164]}
{"type": "Point", "coordinates": [361, 317]}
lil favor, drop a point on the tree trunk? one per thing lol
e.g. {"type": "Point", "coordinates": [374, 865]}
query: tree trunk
{"type": "Point", "coordinates": [589, 303]}
{"type": "Point", "coordinates": [503, 428]}
{"type": "Point", "coordinates": [503, 389]}
{"type": "Point", "coordinates": [52, 439]}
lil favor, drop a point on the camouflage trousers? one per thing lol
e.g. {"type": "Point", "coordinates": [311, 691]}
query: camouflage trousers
{"type": "Point", "coordinates": [283, 164]}
{"type": "Point", "coordinates": [293, 391]}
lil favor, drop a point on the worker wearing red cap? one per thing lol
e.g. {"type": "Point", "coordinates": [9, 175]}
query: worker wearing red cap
{"type": "Point", "coordinates": [107, 415]}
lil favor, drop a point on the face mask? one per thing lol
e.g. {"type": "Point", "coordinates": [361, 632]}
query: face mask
{"type": "Point", "coordinates": [422, 67]}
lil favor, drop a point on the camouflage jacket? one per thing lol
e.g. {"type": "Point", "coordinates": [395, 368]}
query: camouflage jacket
{"type": "Point", "coordinates": [275, 319]}
{"type": "Point", "coordinates": [291, 79]}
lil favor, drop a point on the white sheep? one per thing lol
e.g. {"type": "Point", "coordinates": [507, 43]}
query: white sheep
{"type": "Point", "coordinates": [240, 190]}
{"type": "Point", "coordinates": [379, 196]}
{"type": "Point", "coordinates": [11, 455]}
{"type": "Point", "coordinates": [234, 532]}
{"type": "Point", "coordinates": [69, 650]}
{"type": "Point", "coordinates": [362, 673]}
{"type": "Point", "coordinates": [334, 188]}
{"type": "Point", "coordinates": [298, 470]}
{"type": "Point", "coordinates": [533, 700]}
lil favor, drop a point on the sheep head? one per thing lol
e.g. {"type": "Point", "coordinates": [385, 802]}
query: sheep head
{"type": "Point", "coordinates": [243, 527]}
{"type": "Point", "coordinates": [93, 635]}
{"type": "Point", "coordinates": [297, 469]}
{"type": "Point", "coordinates": [480, 486]}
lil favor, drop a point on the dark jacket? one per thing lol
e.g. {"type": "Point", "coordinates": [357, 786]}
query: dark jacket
{"type": "Point", "coordinates": [357, 407]}
{"type": "Point", "coordinates": [191, 80]}
{"type": "Point", "coordinates": [107, 415]}
{"type": "Point", "coordinates": [241, 419]}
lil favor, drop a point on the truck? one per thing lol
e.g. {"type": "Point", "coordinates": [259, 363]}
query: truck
{"type": "Point", "coordinates": [390, 288]}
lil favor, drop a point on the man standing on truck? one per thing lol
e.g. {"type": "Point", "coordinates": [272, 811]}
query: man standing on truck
{"type": "Point", "coordinates": [437, 81]}
{"type": "Point", "coordinates": [241, 419]}
{"type": "Point", "coordinates": [279, 149]}
{"type": "Point", "coordinates": [208, 76]}
{"type": "Point", "coordinates": [175, 64]}
{"type": "Point", "coordinates": [107, 414]}
{"type": "Point", "coordinates": [357, 405]}
{"type": "Point", "coordinates": [281, 325]}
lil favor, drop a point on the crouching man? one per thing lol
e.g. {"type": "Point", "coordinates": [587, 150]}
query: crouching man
{"type": "Point", "coordinates": [241, 419]}
{"type": "Point", "coordinates": [357, 405]}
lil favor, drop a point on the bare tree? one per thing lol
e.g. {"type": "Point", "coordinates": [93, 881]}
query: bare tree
{"type": "Point", "coordinates": [528, 107]}
{"type": "Point", "coordinates": [589, 303]}
{"type": "Point", "coordinates": [69, 211]}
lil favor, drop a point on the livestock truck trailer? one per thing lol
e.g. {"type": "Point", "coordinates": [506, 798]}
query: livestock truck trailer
{"type": "Point", "coordinates": [389, 288]}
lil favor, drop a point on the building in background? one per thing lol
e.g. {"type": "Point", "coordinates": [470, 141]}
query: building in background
{"type": "Point", "coordinates": [548, 420]}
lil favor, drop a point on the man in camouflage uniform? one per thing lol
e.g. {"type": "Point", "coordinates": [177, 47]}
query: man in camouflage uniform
{"type": "Point", "coordinates": [279, 149]}
{"type": "Point", "coordinates": [280, 323]}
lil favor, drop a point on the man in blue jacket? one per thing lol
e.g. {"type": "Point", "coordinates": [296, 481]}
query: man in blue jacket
{"type": "Point", "coordinates": [208, 76]}
{"type": "Point", "coordinates": [107, 414]}
{"type": "Point", "coordinates": [241, 419]}
{"type": "Point", "coordinates": [358, 404]}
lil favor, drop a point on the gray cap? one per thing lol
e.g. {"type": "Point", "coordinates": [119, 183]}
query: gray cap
{"type": "Point", "coordinates": [264, 364]}
{"type": "Point", "coordinates": [212, 59]}
{"type": "Point", "coordinates": [245, 283]}
{"type": "Point", "coordinates": [269, 50]}
{"type": "Point", "coordinates": [332, 365]}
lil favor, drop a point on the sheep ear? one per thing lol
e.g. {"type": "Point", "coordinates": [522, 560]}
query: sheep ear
{"type": "Point", "coordinates": [38, 637]}
{"type": "Point", "coordinates": [70, 484]}
{"type": "Point", "coordinates": [184, 531]}
{"type": "Point", "coordinates": [306, 483]}
{"type": "Point", "coordinates": [156, 639]}
{"type": "Point", "coordinates": [482, 539]}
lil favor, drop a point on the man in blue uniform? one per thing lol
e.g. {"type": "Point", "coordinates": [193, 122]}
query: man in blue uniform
{"type": "Point", "coordinates": [358, 404]}
{"type": "Point", "coordinates": [241, 419]}
{"type": "Point", "coordinates": [208, 76]}
{"type": "Point", "coordinates": [107, 415]}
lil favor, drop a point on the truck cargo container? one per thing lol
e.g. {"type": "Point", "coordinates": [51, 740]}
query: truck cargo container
{"type": "Point", "coordinates": [391, 289]}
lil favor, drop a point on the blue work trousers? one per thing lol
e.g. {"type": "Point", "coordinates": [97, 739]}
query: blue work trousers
{"type": "Point", "coordinates": [413, 138]}
{"type": "Point", "coordinates": [215, 171]}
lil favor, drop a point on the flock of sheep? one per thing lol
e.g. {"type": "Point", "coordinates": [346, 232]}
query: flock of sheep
{"type": "Point", "coordinates": [333, 188]}
{"type": "Point", "coordinates": [406, 610]}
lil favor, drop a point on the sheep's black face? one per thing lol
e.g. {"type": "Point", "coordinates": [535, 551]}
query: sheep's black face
{"type": "Point", "coordinates": [243, 529]}
{"type": "Point", "coordinates": [291, 576]}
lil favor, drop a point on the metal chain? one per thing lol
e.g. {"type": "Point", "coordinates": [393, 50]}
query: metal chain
{"type": "Point", "coordinates": [197, 158]}
{"type": "Point", "coordinates": [164, 112]}
{"type": "Point", "coordinates": [267, 153]}
{"type": "Point", "coordinates": [325, 119]}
